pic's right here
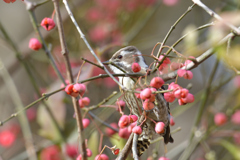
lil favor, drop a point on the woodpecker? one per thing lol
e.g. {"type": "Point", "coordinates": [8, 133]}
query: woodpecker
{"type": "Point", "coordinates": [124, 58]}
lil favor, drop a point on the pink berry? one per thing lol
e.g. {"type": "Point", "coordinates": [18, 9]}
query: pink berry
{"type": "Point", "coordinates": [84, 102]}
{"type": "Point", "coordinates": [188, 75]}
{"type": "Point", "coordinates": [172, 123]}
{"type": "Point", "coordinates": [109, 131]}
{"type": "Point", "coordinates": [69, 89]}
{"type": "Point", "coordinates": [147, 105]}
{"type": "Point", "coordinates": [133, 118]}
{"type": "Point", "coordinates": [51, 152]}
{"type": "Point", "coordinates": [48, 24]}
{"type": "Point", "coordinates": [7, 138]}
{"type": "Point", "coordinates": [124, 133]}
{"type": "Point", "coordinates": [163, 158]}
{"type": "Point", "coordinates": [236, 117]}
{"type": "Point", "coordinates": [121, 103]}
{"type": "Point", "coordinates": [137, 130]}
{"type": "Point", "coordinates": [79, 88]}
{"type": "Point", "coordinates": [85, 122]}
{"type": "Point", "coordinates": [159, 127]}
{"type": "Point", "coordinates": [174, 66]}
{"type": "Point", "coordinates": [124, 121]}
{"type": "Point", "coordinates": [89, 152]}
{"type": "Point", "coordinates": [177, 93]}
{"type": "Point", "coordinates": [145, 94]}
{"type": "Point", "coordinates": [136, 67]}
{"type": "Point", "coordinates": [237, 81]}
{"type": "Point", "coordinates": [180, 102]}
{"type": "Point", "coordinates": [220, 119]}
{"type": "Point", "coordinates": [66, 81]}
{"type": "Point", "coordinates": [169, 97]}
{"type": "Point", "coordinates": [101, 157]}
{"type": "Point", "coordinates": [188, 61]}
{"type": "Point", "coordinates": [184, 93]}
{"type": "Point", "coordinates": [79, 157]}
{"type": "Point", "coordinates": [138, 94]}
{"type": "Point", "coordinates": [72, 151]}
{"type": "Point", "coordinates": [156, 82]}
{"type": "Point", "coordinates": [236, 137]}
{"type": "Point", "coordinates": [166, 60]}
{"type": "Point", "coordinates": [188, 99]}
{"type": "Point", "coordinates": [34, 44]}
{"type": "Point", "coordinates": [130, 127]}
{"type": "Point", "coordinates": [173, 86]}
{"type": "Point", "coordinates": [181, 72]}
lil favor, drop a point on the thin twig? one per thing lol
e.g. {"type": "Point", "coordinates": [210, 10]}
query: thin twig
{"type": "Point", "coordinates": [88, 45]}
{"type": "Point", "coordinates": [156, 65]}
{"type": "Point", "coordinates": [70, 78]}
{"type": "Point", "coordinates": [215, 15]}
{"type": "Point", "coordinates": [199, 59]}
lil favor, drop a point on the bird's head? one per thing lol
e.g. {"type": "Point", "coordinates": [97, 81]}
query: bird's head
{"type": "Point", "coordinates": [125, 57]}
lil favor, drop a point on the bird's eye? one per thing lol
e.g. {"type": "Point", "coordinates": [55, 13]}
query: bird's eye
{"type": "Point", "coordinates": [119, 57]}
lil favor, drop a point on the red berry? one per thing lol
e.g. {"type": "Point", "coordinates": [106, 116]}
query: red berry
{"type": "Point", "coordinates": [109, 131]}
{"type": "Point", "coordinates": [136, 67]}
{"type": "Point", "coordinates": [116, 151]}
{"type": "Point", "coordinates": [133, 118]}
{"type": "Point", "coordinates": [145, 94]}
{"type": "Point", "coordinates": [220, 119]}
{"type": "Point", "coordinates": [72, 151]}
{"type": "Point", "coordinates": [69, 89]}
{"type": "Point", "coordinates": [34, 44]}
{"type": "Point", "coordinates": [101, 157]}
{"type": "Point", "coordinates": [156, 82]}
{"type": "Point", "coordinates": [8, 1]}
{"type": "Point", "coordinates": [124, 121]}
{"type": "Point", "coordinates": [147, 105]}
{"type": "Point", "coordinates": [236, 117]}
{"type": "Point", "coordinates": [137, 130]}
{"type": "Point", "coordinates": [7, 138]}
{"type": "Point", "coordinates": [159, 127]}
{"type": "Point", "coordinates": [48, 24]}
{"type": "Point", "coordinates": [85, 122]}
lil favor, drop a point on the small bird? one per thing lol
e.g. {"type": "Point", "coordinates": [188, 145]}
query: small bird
{"type": "Point", "coordinates": [124, 58]}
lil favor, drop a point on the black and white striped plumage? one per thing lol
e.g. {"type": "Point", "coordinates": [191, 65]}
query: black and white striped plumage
{"type": "Point", "coordinates": [124, 58]}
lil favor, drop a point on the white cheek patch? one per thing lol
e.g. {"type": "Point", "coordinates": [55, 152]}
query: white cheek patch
{"type": "Point", "coordinates": [115, 70]}
{"type": "Point", "coordinates": [141, 60]}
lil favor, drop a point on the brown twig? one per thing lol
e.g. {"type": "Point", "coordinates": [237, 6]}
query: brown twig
{"type": "Point", "coordinates": [70, 77]}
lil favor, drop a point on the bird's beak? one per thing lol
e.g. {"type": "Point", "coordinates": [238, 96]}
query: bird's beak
{"type": "Point", "coordinates": [105, 63]}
